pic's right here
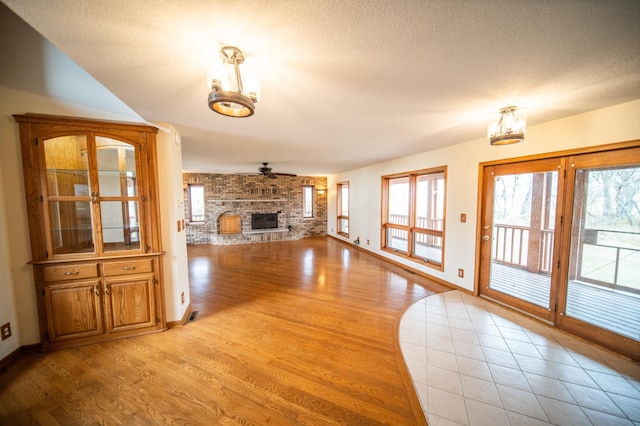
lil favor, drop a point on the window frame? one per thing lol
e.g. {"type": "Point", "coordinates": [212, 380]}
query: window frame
{"type": "Point", "coordinates": [412, 228]}
{"type": "Point", "coordinates": [340, 218]}
{"type": "Point", "coordinates": [308, 192]}
{"type": "Point", "coordinates": [190, 200]}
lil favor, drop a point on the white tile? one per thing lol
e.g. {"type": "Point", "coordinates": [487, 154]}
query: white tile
{"type": "Point", "coordinates": [435, 420]}
{"type": "Point", "coordinates": [534, 365]}
{"type": "Point", "coordinates": [445, 380]}
{"type": "Point", "coordinates": [441, 359]}
{"type": "Point", "coordinates": [418, 371]}
{"type": "Point", "coordinates": [440, 343]}
{"type": "Point", "coordinates": [593, 398]}
{"type": "Point", "coordinates": [463, 324]}
{"type": "Point", "coordinates": [549, 387]}
{"type": "Point", "coordinates": [614, 384]}
{"type": "Point", "coordinates": [509, 377]}
{"type": "Point", "coordinates": [474, 368]}
{"type": "Point", "coordinates": [559, 355]}
{"type": "Point", "coordinates": [485, 328]}
{"type": "Point", "coordinates": [495, 342]}
{"type": "Point", "coordinates": [562, 413]}
{"type": "Point", "coordinates": [514, 334]}
{"type": "Point", "coordinates": [517, 419]}
{"type": "Point", "coordinates": [410, 324]}
{"type": "Point", "coordinates": [438, 330]}
{"type": "Point", "coordinates": [518, 347]}
{"type": "Point", "coordinates": [520, 401]}
{"type": "Point", "coordinates": [412, 352]}
{"type": "Point", "coordinates": [630, 406]}
{"type": "Point", "coordinates": [464, 336]}
{"type": "Point", "coordinates": [591, 363]}
{"type": "Point", "coordinates": [447, 405]}
{"type": "Point", "coordinates": [570, 374]}
{"type": "Point", "coordinates": [437, 319]}
{"type": "Point", "coordinates": [600, 418]}
{"type": "Point", "coordinates": [481, 414]}
{"type": "Point", "coordinates": [498, 357]}
{"type": "Point", "coordinates": [412, 336]}
{"type": "Point", "coordinates": [480, 390]}
{"type": "Point", "coordinates": [468, 350]}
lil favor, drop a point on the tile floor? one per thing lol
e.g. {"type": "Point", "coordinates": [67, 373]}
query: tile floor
{"type": "Point", "coordinates": [474, 362]}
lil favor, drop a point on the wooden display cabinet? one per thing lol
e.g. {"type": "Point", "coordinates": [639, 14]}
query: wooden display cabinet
{"type": "Point", "coordinates": [92, 200]}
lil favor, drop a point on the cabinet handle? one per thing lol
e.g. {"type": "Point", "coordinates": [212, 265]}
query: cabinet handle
{"type": "Point", "coordinates": [96, 289]}
{"type": "Point", "coordinates": [129, 268]}
{"type": "Point", "coordinates": [106, 289]}
{"type": "Point", "coordinates": [72, 273]}
{"type": "Point", "coordinates": [94, 197]}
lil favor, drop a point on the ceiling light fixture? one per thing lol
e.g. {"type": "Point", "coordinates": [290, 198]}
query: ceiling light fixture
{"type": "Point", "coordinates": [229, 96]}
{"type": "Point", "coordinates": [509, 129]}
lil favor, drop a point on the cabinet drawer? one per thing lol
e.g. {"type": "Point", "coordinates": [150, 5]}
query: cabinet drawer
{"type": "Point", "coordinates": [70, 272]}
{"type": "Point", "coordinates": [125, 267]}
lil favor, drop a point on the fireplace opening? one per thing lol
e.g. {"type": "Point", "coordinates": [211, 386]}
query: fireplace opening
{"type": "Point", "coordinates": [264, 220]}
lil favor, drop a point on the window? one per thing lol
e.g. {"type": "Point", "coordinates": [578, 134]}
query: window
{"type": "Point", "coordinates": [343, 208]}
{"type": "Point", "coordinates": [413, 215]}
{"type": "Point", "coordinates": [307, 201]}
{"type": "Point", "coordinates": [196, 203]}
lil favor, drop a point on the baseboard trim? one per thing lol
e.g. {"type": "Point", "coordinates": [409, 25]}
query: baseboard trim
{"type": "Point", "coordinates": [13, 356]}
{"type": "Point", "coordinates": [182, 321]}
{"type": "Point", "coordinates": [403, 266]}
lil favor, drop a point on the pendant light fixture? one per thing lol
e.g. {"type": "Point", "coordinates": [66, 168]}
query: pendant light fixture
{"type": "Point", "coordinates": [509, 129]}
{"type": "Point", "coordinates": [230, 94]}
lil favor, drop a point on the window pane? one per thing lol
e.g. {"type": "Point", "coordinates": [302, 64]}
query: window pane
{"type": "Point", "coordinates": [196, 202]}
{"type": "Point", "coordinates": [120, 227]}
{"type": "Point", "coordinates": [343, 226]}
{"type": "Point", "coordinates": [399, 201]}
{"type": "Point", "coordinates": [116, 168]}
{"type": "Point", "coordinates": [307, 201]}
{"type": "Point", "coordinates": [71, 228]}
{"type": "Point", "coordinates": [426, 246]}
{"type": "Point", "coordinates": [67, 167]}
{"type": "Point", "coordinates": [344, 199]}
{"type": "Point", "coordinates": [430, 201]}
{"type": "Point", "coordinates": [397, 239]}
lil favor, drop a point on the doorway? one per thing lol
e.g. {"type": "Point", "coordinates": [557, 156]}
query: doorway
{"type": "Point", "coordinates": [560, 240]}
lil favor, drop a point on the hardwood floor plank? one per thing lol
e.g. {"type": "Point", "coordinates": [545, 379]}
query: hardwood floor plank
{"type": "Point", "coordinates": [288, 333]}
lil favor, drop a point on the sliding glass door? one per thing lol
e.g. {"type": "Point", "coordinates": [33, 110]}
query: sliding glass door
{"type": "Point", "coordinates": [560, 239]}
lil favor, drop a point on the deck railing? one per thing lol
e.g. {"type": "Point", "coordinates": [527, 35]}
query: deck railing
{"type": "Point", "coordinates": [421, 222]}
{"type": "Point", "coordinates": [511, 246]}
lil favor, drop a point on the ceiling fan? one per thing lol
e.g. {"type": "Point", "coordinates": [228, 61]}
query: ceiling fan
{"type": "Point", "coordinates": [265, 170]}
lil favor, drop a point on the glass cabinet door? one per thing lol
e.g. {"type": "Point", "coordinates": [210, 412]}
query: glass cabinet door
{"type": "Point", "coordinates": [118, 195]}
{"type": "Point", "coordinates": [93, 198]}
{"type": "Point", "coordinates": [69, 199]}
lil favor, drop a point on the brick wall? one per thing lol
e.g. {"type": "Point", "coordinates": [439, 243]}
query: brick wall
{"type": "Point", "coordinates": [246, 194]}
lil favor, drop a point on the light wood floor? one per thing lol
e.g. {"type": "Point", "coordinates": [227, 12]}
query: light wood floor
{"type": "Point", "coordinates": [288, 333]}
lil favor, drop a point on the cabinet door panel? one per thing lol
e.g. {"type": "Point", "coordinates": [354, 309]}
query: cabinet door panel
{"type": "Point", "coordinates": [130, 303]}
{"type": "Point", "coordinates": [73, 310]}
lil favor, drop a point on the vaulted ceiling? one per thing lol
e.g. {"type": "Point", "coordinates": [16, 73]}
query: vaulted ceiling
{"type": "Point", "coordinates": [348, 83]}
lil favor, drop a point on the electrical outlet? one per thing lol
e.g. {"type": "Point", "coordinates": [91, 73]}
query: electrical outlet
{"type": "Point", "coordinates": [182, 297]}
{"type": "Point", "coordinates": [5, 330]}
{"type": "Point", "coordinates": [461, 272]}
{"type": "Point", "coordinates": [367, 241]}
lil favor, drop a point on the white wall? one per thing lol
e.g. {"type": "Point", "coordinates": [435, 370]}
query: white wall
{"type": "Point", "coordinates": [614, 124]}
{"type": "Point", "coordinates": [174, 242]}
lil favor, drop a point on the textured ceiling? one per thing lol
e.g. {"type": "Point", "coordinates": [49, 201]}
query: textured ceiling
{"type": "Point", "coordinates": [349, 83]}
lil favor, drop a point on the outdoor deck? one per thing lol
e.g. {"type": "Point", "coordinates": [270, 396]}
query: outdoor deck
{"type": "Point", "coordinates": [616, 311]}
